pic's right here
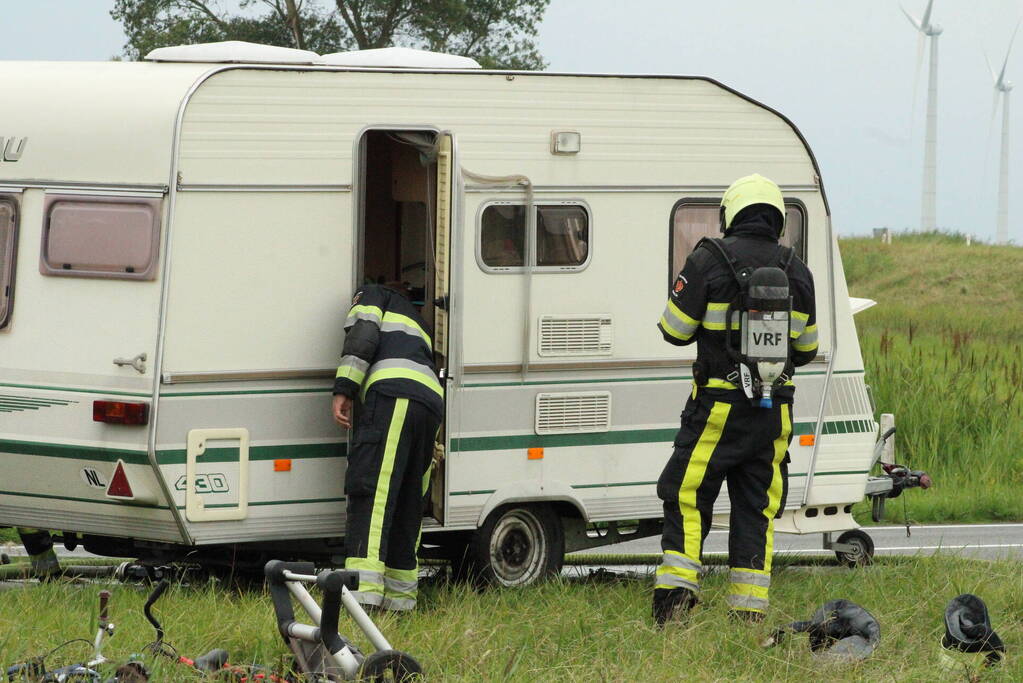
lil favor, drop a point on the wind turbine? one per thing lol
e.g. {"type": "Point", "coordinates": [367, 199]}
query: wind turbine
{"type": "Point", "coordinates": [1002, 88]}
{"type": "Point", "coordinates": [932, 31]}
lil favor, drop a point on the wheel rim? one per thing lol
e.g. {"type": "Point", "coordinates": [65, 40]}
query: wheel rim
{"type": "Point", "coordinates": [518, 548]}
{"type": "Point", "coordinates": [858, 555]}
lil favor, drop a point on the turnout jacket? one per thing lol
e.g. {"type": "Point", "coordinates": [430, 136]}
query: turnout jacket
{"type": "Point", "coordinates": [388, 348]}
{"type": "Point", "coordinates": [699, 298]}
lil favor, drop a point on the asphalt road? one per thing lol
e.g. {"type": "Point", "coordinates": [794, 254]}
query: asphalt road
{"type": "Point", "coordinates": [984, 541]}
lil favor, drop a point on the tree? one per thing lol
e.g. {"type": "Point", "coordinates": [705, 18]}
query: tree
{"type": "Point", "coordinates": [496, 33]}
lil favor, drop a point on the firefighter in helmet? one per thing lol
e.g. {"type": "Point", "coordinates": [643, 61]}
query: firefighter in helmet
{"type": "Point", "coordinates": [737, 423]}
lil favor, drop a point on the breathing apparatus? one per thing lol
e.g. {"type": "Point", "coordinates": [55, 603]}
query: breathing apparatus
{"type": "Point", "coordinates": [763, 308]}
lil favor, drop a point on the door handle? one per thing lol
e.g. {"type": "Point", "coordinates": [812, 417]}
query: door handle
{"type": "Point", "coordinates": [138, 362]}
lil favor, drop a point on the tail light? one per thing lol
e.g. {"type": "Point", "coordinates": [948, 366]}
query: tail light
{"type": "Point", "coordinates": [120, 412]}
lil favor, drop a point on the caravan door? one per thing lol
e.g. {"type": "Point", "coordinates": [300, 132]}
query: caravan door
{"type": "Point", "coordinates": [441, 309]}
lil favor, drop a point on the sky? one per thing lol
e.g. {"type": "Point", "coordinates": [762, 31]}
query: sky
{"type": "Point", "coordinates": [843, 72]}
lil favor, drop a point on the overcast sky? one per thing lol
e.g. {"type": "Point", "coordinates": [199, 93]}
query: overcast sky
{"type": "Point", "coordinates": [842, 71]}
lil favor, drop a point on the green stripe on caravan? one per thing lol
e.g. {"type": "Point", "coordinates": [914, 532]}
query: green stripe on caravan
{"type": "Point", "coordinates": [625, 436]}
{"type": "Point", "coordinates": [176, 456]}
{"type": "Point", "coordinates": [340, 449]}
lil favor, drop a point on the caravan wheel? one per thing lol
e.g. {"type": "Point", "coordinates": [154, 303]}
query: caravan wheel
{"type": "Point", "coordinates": [518, 545]}
{"type": "Point", "coordinates": [862, 552]}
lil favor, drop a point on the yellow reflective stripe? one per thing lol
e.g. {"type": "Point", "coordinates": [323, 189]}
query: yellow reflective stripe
{"type": "Point", "coordinates": [362, 312]}
{"type": "Point", "coordinates": [688, 574]}
{"type": "Point", "coordinates": [350, 372]}
{"type": "Point", "coordinates": [369, 564]}
{"type": "Point", "coordinates": [390, 317]}
{"type": "Point", "coordinates": [809, 339]}
{"type": "Point", "coordinates": [715, 383]}
{"type": "Point", "coordinates": [665, 326]}
{"type": "Point", "coordinates": [678, 313]}
{"type": "Point", "coordinates": [426, 486]}
{"type": "Point", "coordinates": [376, 523]}
{"type": "Point", "coordinates": [774, 492]}
{"type": "Point", "coordinates": [410, 575]}
{"type": "Point", "coordinates": [696, 469]}
{"type": "Point", "coordinates": [796, 315]}
{"type": "Point", "coordinates": [717, 306]}
{"type": "Point", "coordinates": [403, 373]}
{"type": "Point", "coordinates": [748, 589]}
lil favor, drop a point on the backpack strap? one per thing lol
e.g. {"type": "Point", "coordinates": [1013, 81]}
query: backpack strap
{"type": "Point", "coordinates": [717, 247]}
{"type": "Point", "coordinates": [785, 257]}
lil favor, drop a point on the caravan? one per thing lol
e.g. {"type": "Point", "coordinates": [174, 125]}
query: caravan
{"type": "Point", "coordinates": [180, 239]}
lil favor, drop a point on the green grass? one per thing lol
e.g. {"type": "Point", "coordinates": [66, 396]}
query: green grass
{"type": "Point", "coordinates": [942, 352]}
{"type": "Point", "coordinates": [563, 630]}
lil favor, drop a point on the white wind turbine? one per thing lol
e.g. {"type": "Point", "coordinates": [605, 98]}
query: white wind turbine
{"type": "Point", "coordinates": [1002, 88]}
{"type": "Point", "coordinates": [932, 31]}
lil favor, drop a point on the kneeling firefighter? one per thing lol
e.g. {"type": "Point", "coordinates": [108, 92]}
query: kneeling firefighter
{"type": "Point", "coordinates": [748, 303]}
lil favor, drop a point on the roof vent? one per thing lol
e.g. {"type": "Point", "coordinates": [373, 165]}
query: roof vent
{"type": "Point", "coordinates": [400, 57]}
{"type": "Point", "coordinates": [232, 51]}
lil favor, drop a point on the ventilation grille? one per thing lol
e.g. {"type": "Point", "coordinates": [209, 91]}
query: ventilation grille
{"type": "Point", "coordinates": [575, 412]}
{"type": "Point", "coordinates": [847, 397]}
{"type": "Point", "coordinates": [575, 335]}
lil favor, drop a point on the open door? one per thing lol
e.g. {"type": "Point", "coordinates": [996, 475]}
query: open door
{"type": "Point", "coordinates": [441, 306]}
{"type": "Point", "coordinates": [405, 231]}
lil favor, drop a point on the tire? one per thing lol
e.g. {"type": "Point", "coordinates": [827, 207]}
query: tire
{"type": "Point", "coordinates": [518, 545]}
{"type": "Point", "coordinates": [863, 553]}
{"type": "Point", "coordinates": [390, 665]}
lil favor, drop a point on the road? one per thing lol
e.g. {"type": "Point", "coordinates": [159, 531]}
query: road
{"type": "Point", "coordinates": [983, 541]}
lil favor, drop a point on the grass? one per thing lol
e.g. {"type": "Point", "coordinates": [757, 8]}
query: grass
{"type": "Point", "coordinates": [942, 352]}
{"type": "Point", "coordinates": [562, 630]}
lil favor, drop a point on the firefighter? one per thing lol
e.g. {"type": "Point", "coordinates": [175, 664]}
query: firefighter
{"type": "Point", "coordinates": [725, 434]}
{"type": "Point", "coordinates": [387, 365]}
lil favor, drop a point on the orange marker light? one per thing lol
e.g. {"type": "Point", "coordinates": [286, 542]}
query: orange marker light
{"type": "Point", "coordinates": [534, 454]}
{"type": "Point", "coordinates": [806, 439]}
{"type": "Point", "coordinates": [283, 465]}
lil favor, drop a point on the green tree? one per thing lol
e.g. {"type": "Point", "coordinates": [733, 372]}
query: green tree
{"type": "Point", "coordinates": [499, 34]}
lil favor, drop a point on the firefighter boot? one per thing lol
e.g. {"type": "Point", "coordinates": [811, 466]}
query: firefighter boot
{"type": "Point", "coordinates": [672, 605]}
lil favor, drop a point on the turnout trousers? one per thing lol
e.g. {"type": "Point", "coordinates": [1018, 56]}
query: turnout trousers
{"type": "Point", "coordinates": [389, 462]}
{"type": "Point", "coordinates": [39, 546]}
{"type": "Point", "coordinates": [722, 440]}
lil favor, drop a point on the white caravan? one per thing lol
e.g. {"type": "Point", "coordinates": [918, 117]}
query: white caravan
{"type": "Point", "coordinates": [180, 239]}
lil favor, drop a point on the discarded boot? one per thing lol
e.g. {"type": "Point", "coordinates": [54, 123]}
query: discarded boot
{"type": "Point", "coordinates": [840, 631]}
{"type": "Point", "coordinates": [969, 643]}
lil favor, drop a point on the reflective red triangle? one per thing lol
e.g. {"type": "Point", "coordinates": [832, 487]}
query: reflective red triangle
{"type": "Point", "coordinates": [119, 486]}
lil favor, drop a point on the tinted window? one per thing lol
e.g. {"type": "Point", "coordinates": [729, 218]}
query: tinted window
{"type": "Point", "coordinates": [503, 235]}
{"type": "Point", "coordinates": [692, 222]}
{"type": "Point", "coordinates": [101, 237]}
{"type": "Point", "coordinates": [563, 236]}
{"type": "Point", "coordinates": [8, 244]}
{"type": "Point", "coordinates": [562, 241]}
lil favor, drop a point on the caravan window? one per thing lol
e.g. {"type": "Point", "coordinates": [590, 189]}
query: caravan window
{"type": "Point", "coordinates": [8, 251]}
{"type": "Point", "coordinates": [562, 236]}
{"type": "Point", "coordinates": [692, 220]}
{"type": "Point", "coordinates": [115, 237]}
